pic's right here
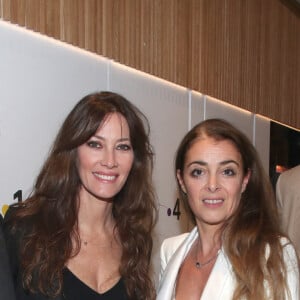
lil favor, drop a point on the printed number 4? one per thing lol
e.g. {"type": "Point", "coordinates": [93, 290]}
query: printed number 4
{"type": "Point", "coordinates": [18, 195]}
{"type": "Point", "coordinates": [176, 209]}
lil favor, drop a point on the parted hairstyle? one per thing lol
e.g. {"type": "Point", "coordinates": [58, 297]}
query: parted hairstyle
{"type": "Point", "coordinates": [52, 207]}
{"type": "Point", "coordinates": [254, 226]}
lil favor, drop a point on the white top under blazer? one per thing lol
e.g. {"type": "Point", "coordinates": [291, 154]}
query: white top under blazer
{"type": "Point", "coordinates": [221, 282]}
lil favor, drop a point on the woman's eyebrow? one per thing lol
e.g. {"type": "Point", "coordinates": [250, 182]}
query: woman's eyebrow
{"type": "Point", "coordinates": [203, 163]}
{"type": "Point", "coordinates": [122, 139]}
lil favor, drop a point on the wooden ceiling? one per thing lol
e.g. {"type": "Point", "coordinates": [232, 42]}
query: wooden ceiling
{"type": "Point", "coordinates": [244, 52]}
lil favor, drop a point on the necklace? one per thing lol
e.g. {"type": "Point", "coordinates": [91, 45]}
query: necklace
{"type": "Point", "coordinates": [200, 265]}
{"type": "Point", "coordinates": [94, 242]}
{"type": "Point", "coordinates": [98, 244]}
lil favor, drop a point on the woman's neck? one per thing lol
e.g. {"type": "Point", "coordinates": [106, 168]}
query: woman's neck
{"type": "Point", "coordinates": [209, 239]}
{"type": "Point", "coordinates": [95, 216]}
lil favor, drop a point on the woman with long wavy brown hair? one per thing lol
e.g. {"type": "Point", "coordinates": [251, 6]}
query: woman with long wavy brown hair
{"type": "Point", "coordinates": [85, 231]}
{"type": "Point", "coordinates": [236, 250]}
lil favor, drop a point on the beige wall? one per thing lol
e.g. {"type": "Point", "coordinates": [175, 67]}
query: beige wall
{"type": "Point", "coordinates": [245, 52]}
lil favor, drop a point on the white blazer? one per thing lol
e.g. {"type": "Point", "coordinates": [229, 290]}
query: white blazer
{"type": "Point", "coordinates": [221, 282]}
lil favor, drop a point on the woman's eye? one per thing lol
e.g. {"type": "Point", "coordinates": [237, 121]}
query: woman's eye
{"type": "Point", "coordinates": [229, 172]}
{"type": "Point", "coordinates": [196, 172]}
{"type": "Point", "coordinates": [93, 144]}
{"type": "Point", "coordinates": [124, 147]}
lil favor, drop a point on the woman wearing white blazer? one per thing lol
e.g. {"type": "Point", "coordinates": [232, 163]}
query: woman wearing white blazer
{"type": "Point", "coordinates": [236, 250]}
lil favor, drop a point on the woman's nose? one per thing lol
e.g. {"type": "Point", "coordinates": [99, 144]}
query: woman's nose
{"type": "Point", "coordinates": [109, 159]}
{"type": "Point", "coordinates": [212, 183]}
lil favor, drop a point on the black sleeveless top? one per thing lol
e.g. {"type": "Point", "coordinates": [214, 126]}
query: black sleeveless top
{"type": "Point", "coordinates": [75, 289]}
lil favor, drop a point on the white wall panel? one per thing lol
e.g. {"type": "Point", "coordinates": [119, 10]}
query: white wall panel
{"type": "Point", "coordinates": [262, 139]}
{"type": "Point", "coordinates": [40, 81]}
{"type": "Point", "coordinates": [197, 108]}
{"type": "Point", "coordinates": [240, 118]}
{"type": "Point", "coordinates": [166, 107]}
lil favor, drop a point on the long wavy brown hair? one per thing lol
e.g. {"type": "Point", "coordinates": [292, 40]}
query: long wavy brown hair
{"type": "Point", "coordinates": [254, 227]}
{"type": "Point", "coordinates": [51, 210]}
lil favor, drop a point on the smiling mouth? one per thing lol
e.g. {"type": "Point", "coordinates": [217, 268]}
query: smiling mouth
{"type": "Point", "coordinates": [213, 201]}
{"type": "Point", "coordinates": [105, 177]}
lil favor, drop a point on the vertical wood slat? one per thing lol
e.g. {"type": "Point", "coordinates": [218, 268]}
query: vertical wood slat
{"type": "Point", "coordinates": [100, 28]}
{"type": "Point", "coordinates": [5, 9]}
{"type": "Point", "coordinates": [32, 15]}
{"type": "Point", "coordinates": [52, 18]}
{"type": "Point", "coordinates": [243, 52]}
{"type": "Point", "coordinates": [146, 42]}
{"type": "Point", "coordinates": [90, 28]}
{"type": "Point", "coordinates": [196, 45]}
{"type": "Point", "coordinates": [17, 12]}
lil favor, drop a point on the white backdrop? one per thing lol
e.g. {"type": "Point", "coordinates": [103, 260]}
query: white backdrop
{"type": "Point", "coordinates": [40, 81]}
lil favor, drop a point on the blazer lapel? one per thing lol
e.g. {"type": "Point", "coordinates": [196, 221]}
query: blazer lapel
{"type": "Point", "coordinates": [168, 280]}
{"type": "Point", "coordinates": [222, 277]}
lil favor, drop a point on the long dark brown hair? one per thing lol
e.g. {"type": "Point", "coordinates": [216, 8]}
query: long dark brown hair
{"type": "Point", "coordinates": [51, 211]}
{"type": "Point", "coordinates": [254, 227]}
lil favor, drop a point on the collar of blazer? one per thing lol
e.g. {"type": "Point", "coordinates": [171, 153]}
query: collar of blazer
{"type": "Point", "coordinates": [221, 272]}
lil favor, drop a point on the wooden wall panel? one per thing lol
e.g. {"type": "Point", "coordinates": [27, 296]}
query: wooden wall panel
{"type": "Point", "coordinates": [245, 52]}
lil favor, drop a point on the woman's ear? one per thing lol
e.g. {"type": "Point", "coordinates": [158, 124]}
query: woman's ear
{"type": "Point", "coordinates": [180, 181]}
{"type": "Point", "coordinates": [246, 180]}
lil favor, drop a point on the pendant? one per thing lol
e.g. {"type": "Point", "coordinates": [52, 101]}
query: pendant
{"type": "Point", "coordinates": [198, 265]}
